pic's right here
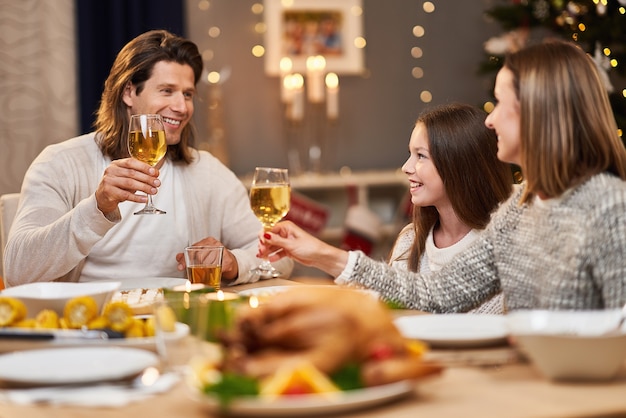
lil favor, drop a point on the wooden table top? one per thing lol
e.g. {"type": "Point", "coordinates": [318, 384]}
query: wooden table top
{"type": "Point", "coordinates": [495, 384]}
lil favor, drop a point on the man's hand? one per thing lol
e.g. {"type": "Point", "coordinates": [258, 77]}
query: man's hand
{"type": "Point", "coordinates": [230, 268]}
{"type": "Point", "coordinates": [121, 181]}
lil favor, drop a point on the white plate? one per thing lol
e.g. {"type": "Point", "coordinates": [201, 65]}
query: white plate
{"type": "Point", "coordinates": [74, 365]}
{"type": "Point", "coordinates": [265, 292]}
{"type": "Point", "coordinates": [301, 405]}
{"type": "Point", "coordinates": [455, 330]}
{"type": "Point", "coordinates": [146, 343]}
{"type": "Point", "coordinates": [151, 283]}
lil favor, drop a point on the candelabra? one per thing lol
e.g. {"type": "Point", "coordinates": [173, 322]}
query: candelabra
{"type": "Point", "coordinates": [308, 123]}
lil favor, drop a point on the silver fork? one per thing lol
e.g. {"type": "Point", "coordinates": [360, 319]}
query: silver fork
{"type": "Point", "coordinates": [617, 329]}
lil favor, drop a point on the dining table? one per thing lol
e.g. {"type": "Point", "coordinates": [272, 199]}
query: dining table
{"type": "Point", "coordinates": [481, 382]}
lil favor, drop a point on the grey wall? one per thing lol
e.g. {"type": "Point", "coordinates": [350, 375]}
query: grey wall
{"type": "Point", "coordinates": [377, 110]}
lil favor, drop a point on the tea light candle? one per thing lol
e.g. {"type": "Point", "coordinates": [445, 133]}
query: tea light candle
{"type": "Point", "coordinates": [221, 313]}
{"type": "Point", "coordinates": [221, 296]}
{"type": "Point", "coordinates": [189, 287]}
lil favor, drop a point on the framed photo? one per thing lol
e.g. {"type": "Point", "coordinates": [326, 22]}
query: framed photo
{"type": "Point", "coordinates": [301, 28]}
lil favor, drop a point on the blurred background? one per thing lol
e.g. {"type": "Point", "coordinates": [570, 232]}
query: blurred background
{"type": "Point", "coordinates": [397, 57]}
{"type": "Point", "coordinates": [56, 54]}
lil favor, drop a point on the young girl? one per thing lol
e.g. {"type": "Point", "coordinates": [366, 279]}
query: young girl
{"type": "Point", "coordinates": [456, 181]}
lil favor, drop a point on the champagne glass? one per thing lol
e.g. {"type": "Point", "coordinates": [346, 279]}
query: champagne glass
{"type": "Point", "coordinates": [270, 198]}
{"type": "Point", "coordinates": [146, 142]}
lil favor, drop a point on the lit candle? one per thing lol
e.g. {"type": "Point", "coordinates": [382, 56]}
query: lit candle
{"type": "Point", "coordinates": [221, 296]}
{"type": "Point", "coordinates": [287, 90]}
{"type": "Point", "coordinates": [220, 316]}
{"type": "Point", "coordinates": [285, 70]}
{"type": "Point", "coordinates": [297, 102]}
{"type": "Point", "coordinates": [189, 287]}
{"type": "Point", "coordinates": [184, 300]}
{"type": "Point", "coordinates": [315, 66]}
{"type": "Point", "coordinates": [332, 96]}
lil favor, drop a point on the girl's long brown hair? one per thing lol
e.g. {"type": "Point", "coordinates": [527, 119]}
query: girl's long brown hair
{"type": "Point", "coordinates": [463, 151]}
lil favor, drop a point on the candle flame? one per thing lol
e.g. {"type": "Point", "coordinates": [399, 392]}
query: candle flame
{"type": "Point", "coordinates": [285, 64]}
{"type": "Point", "coordinates": [315, 62]}
{"type": "Point", "coordinates": [297, 81]}
{"type": "Point", "coordinates": [332, 81]}
{"type": "Point", "coordinates": [186, 301]}
{"type": "Point", "coordinates": [220, 295]}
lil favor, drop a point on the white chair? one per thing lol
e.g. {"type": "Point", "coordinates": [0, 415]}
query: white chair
{"type": "Point", "coordinates": [8, 208]}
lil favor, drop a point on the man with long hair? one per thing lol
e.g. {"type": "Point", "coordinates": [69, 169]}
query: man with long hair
{"type": "Point", "coordinates": [75, 220]}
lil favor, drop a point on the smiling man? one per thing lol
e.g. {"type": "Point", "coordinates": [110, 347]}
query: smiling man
{"type": "Point", "coordinates": [75, 221]}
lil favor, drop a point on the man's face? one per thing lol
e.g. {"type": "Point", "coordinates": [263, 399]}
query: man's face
{"type": "Point", "coordinates": [168, 92]}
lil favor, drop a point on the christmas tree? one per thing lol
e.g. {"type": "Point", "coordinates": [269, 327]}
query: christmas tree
{"type": "Point", "coordinates": [597, 26]}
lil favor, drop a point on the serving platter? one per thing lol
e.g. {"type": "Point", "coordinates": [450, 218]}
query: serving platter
{"type": "Point", "coordinates": [315, 404]}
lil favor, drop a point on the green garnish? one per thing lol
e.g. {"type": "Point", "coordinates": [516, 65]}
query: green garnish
{"type": "Point", "coordinates": [394, 304]}
{"type": "Point", "coordinates": [348, 377]}
{"type": "Point", "coordinates": [232, 386]}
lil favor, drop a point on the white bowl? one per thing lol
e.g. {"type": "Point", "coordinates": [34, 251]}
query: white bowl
{"type": "Point", "coordinates": [54, 295]}
{"type": "Point", "coordinates": [571, 345]}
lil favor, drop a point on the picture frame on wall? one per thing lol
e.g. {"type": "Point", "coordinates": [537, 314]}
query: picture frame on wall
{"type": "Point", "coordinates": [301, 28]}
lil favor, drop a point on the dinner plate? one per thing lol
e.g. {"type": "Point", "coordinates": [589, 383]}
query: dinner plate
{"type": "Point", "coordinates": [455, 330]}
{"type": "Point", "coordinates": [151, 283]}
{"type": "Point", "coordinates": [145, 343]}
{"type": "Point", "coordinates": [266, 291]}
{"type": "Point", "coordinates": [74, 365]}
{"type": "Point", "coordinates": [300, 405]}
{"type": "Point", "coordinates": [269, 291]}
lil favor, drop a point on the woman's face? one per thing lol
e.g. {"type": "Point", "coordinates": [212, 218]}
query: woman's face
{"type": "Point", "coordinates": [505, 118]}
{"type": "Point", "coordinates": [426, 186]}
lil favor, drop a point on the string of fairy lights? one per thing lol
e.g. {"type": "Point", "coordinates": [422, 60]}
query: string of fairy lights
{"type": "Point", "coordinates": [418, 53]}
{"type": "Point", "coordinates": [258, 49]}
{"type": "Point", "coordinates": [598, 26]}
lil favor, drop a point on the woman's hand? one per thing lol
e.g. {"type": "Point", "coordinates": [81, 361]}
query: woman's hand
{"type": "Point", "coordinates": [302, 247]}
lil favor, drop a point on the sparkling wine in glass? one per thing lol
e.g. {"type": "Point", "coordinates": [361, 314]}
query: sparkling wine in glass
{"type": "Point", "coordinates": [270, 198]}
{"type": "Point", "coordinates": [146, 142]}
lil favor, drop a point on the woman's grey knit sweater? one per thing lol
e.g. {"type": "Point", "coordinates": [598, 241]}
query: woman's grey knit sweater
{"type": "Point", "coordinates": [563, 253]}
